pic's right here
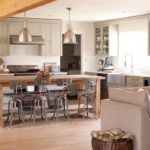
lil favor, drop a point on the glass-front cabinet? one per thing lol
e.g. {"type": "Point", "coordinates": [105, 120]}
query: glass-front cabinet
{"type": "Point", "coordinates": [106, 39]}
{"type": "Point", "coordinates": [102, 40]}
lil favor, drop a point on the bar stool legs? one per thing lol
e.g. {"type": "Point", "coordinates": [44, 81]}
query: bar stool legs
{"type": "Point", "coordinates": [58, 101]}
{"type": "Point", "coordinates": [15, 105]}
{"type": "Point", "coordinates": [40, 104]}
{"type": "Point", "coordinates": [86, 100]}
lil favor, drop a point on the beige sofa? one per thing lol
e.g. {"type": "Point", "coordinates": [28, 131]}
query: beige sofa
{"type": "Point", "coordinates": [128, 109]}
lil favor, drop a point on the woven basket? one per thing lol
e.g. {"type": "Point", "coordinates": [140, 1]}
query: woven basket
{"type": "Point", "coordinates": [121, 144]}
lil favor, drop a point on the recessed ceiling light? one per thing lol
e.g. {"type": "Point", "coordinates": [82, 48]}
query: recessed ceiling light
{"type": "Point", "coordinates": [90, 18]}
{"type": "Point", "coordinates": [49, 15]}
{"type": "Point", "coordinates": [123, 12]}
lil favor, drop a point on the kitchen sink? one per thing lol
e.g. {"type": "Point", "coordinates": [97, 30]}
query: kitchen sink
{"type": "Point", "coordinates": [117, 79]}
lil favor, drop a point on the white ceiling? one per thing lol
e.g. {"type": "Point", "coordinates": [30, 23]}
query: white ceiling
{"type": "Point", "coordinates": [90, 10]}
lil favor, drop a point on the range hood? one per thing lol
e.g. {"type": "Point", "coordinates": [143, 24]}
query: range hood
{"type": "Point", "coordinates": [36, 40]}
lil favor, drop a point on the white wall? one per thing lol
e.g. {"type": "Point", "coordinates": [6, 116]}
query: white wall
{"type": "Point", "coordinates": [133, 38]}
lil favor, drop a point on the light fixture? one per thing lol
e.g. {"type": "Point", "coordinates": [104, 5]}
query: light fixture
{"type": "Point", "coordinates": [69, 36]}
{"type": "Point", "coordinates": [24, 34]}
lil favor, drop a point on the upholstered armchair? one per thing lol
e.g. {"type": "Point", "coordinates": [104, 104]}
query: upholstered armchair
{"type": "Point", "coordinates": [128, 109]}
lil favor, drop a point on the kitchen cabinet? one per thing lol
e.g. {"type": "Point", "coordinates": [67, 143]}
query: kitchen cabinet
{"type": "Point", "coordinates": [56, 40]}
{"type": "Point", "coordinates": [102, 40]}
{"type": "Point", "coordinates": [113, 39]}
{"type": "Point", "coordinates": [4, 39]}
{"type": "Point", "coordinates": [14, 27]}
{"type": "Point", "coordinates": [134, 81]}
{"type": "Point", "coordinates": [49, 29]}
{"type": "Point", "coordinates": [106, 39]}
{"type": "Point", "coordinates": [46, 33]}
{"type": "Point", "coordinates": [34, 28]}
{"type": "Point", "coordinates": [52, 37]}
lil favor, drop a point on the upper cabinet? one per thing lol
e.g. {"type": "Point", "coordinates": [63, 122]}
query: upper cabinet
{"type": "Point", "coordinates": [113, 39]}
{"type": "Point", "coordinates": [106, 40]}
{"type": "Point", "coordinates": [49, 29]}
{"type": "Point", "coordinates": [102, 40]}
{"type": "Point", "coordinates": [4, 39]}
{"type": "Point", "coordinates": [53, 40]}
{"type": "Point", "coordinates": [56, 40]}
{"type": "Point", "coordinates": [34, 28]}
{"type": "Point", "coordinates": [14, 27]}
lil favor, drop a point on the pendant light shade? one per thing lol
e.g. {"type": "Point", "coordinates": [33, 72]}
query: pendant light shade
{"type": "Point", "coordinates": [24, 34]}
{"type": "Point", "coordinates": [69, 36]}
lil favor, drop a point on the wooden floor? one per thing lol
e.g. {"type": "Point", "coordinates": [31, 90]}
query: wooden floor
{"type": "Point", "coordinates": [62, 135]}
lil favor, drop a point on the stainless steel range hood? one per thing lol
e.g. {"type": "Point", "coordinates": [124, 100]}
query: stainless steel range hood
{"type": "Point", "coordinates": [36, 40]}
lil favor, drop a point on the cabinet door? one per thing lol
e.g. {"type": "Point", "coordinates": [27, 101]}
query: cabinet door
{"type": "Point", "coordinates": [4, 39]}
{"type": "Point", "coordinates": [56, 40]}
{"type": "Point", "coordinates": [14, 27]}
{"type": "Point", "coordinates": [113, 40]}
{"type": "Point", "coordinates": [52, 37]}
{"type": "Point", "coordinates": [102, 40]}
{"type": "Point", "coordinates": [105, 39]}
{"type": "Point", "coordinates": [98, 40]}
{"type": "Point", "coordinates": [34, 28]}
{"type": "Point", "coordinates": [46, 33]}
{"type": "Point", "coordinates": [133, 81]}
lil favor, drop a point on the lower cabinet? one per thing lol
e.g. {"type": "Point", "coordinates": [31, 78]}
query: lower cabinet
{"type": "Point", "coordinates": [134, 81]}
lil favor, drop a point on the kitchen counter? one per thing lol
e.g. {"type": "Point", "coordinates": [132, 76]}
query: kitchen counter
{"type": "Point", "coordinates": [117, 73]}
{"type": "Point", "coordinates": [98, 72]}
{"type": "Point", "coordinates": [4, 81]}
{"type": "Point", "coordinates": [6, 74]}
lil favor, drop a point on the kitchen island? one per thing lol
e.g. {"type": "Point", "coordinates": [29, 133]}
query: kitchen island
{"type": "Point", "coordinates": [4, 81]}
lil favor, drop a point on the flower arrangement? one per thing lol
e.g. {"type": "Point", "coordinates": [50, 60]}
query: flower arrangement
{"type": "Point", "coordinates": [43, 74]}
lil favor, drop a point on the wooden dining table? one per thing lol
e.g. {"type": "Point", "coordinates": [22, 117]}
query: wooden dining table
{"type": "Point", "coordinates": [4, 82]}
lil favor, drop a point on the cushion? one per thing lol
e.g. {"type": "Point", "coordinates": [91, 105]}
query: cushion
{"type": "Point", "coordinates": [137, 96]}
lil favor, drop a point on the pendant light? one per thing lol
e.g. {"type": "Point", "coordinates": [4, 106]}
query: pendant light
{"type": "Point", "coordinates": [69, 36]}
{"type": "Point", "coordinates": [24, 34]}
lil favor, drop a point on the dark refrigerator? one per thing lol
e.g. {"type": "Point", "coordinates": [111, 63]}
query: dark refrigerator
{"type": "Point", "coordinates": [70, 61]}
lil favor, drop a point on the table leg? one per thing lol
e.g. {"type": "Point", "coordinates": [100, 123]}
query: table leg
{"type": "Point", "coordinates": [98, 101]}
{"type": "Point", "coordinates": [1, 107]}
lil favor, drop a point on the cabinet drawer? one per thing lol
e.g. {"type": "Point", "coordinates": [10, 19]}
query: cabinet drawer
{"type": "Point", "coordinates": [134, 81]}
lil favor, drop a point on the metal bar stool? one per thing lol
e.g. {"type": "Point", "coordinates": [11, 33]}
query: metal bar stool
{"type": "Point", "coordinates": [40, 102]}
{"type": "Point", "coordinates": [60, 99]}
{"type": "Point", "coordinates": [88, 97]}
{"type": "Point", "coordinates": [15, 106]}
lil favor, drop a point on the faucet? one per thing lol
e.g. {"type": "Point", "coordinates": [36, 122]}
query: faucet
{"type": "Point", "coordinates": [125, 61]}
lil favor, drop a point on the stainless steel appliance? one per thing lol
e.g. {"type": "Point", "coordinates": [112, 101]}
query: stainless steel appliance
{"type": "Point", "coordinates": [23, 70]}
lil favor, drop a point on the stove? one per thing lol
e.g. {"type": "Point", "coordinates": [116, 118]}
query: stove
{"type": "Point", "coordinates": [24, 74]}
{"type": "Point", "coordinates": [23, 70]}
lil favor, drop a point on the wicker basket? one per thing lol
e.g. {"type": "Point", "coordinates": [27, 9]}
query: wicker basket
{"type": "Point", "coordinates": [120, 144]}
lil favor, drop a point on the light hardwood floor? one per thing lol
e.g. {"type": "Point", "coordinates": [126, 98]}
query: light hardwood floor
{"type": "Point", "coordinates": [62, 135]}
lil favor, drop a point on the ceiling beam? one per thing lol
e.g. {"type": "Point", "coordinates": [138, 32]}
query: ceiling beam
{"type": "Point", "coordinates": [9, 8]}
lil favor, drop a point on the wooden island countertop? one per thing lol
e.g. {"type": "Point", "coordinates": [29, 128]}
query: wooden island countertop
{"type": "Point", "coordinates": [4, 81]}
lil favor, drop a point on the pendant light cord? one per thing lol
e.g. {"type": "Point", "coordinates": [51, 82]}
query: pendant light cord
{"type": "Point", "coordinates": [24, 23]}
{"type": "Point", "coordinates": [69, 23]}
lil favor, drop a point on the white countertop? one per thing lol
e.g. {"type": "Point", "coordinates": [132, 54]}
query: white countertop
{"type": "Point", "coordinates": [120, 73]}
{"type": "Point", "coordinates": [60, 73]}
{"type": "Point", "coordinates": [6, 74]}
